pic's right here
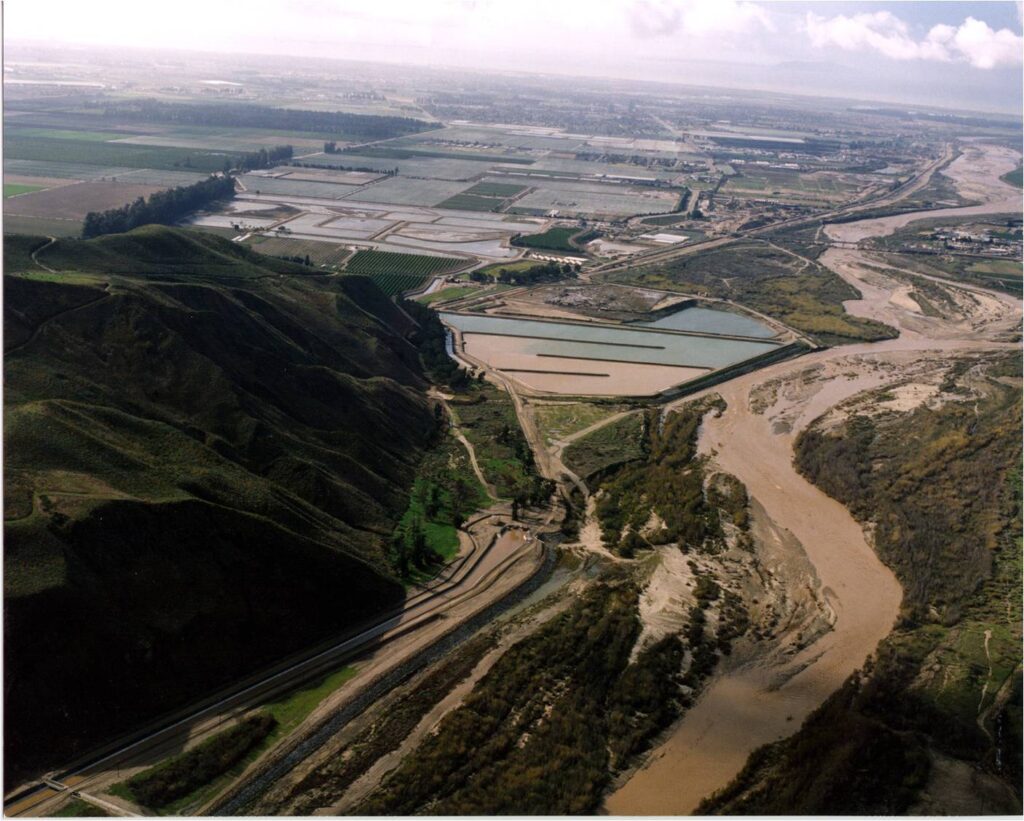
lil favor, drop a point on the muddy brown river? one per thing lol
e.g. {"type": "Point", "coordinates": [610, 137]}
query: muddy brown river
{"type": "Point", "coordinates": [746, 707]}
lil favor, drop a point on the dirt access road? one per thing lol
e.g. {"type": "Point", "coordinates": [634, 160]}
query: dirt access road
{"type": "Point", "coordinates": [753, 439]}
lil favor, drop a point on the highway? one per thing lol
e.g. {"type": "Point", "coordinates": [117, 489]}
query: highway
{"type": "Point", "coordinates": [473, 573]}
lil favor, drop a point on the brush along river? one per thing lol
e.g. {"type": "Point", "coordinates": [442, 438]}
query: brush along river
{"type": "Point", "coordinates": [752, 704]}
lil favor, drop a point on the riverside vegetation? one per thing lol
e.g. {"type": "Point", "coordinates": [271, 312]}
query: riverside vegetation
{"type": "Point", "coordinates": [940, 487]}
{"type": "Point", "coordinates": [797, 291]}
{"type": "Point", "coordinates": [578, 696]}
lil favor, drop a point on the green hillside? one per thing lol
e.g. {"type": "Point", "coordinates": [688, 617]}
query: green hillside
{"type": "Point", "coordinates": [201, 474]}
{"type": "Point", "coordinates": [158, 250]}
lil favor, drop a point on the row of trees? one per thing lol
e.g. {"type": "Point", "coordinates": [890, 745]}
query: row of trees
{"type": "Point", "coordinates": [387, 172]}
{"type": "Point", "coordinates": [245, 115]}
{"type": "Point", "coordinates": [163, 207]}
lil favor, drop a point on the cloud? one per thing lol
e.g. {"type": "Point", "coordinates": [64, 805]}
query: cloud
{"type": "Point", "coordinates": [985, 48]}
{"type": "Point", "coordinates": [973, 41]}
{"type": "Point", "coordinates": [654, 18]}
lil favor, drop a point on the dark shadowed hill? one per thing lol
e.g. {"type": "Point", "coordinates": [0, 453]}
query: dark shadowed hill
{"type": "Point", "coordinates": [206, 450]}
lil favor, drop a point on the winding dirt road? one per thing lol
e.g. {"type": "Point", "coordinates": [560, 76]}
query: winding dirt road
{"type": "Point", "coordinates": [754, 704]}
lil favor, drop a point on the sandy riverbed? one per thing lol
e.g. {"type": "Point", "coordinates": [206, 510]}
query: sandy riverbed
{"type": "Point", "coordinates": [743, 708]}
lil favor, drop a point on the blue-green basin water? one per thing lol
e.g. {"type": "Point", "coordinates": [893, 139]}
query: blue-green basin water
{"type": "Point", "coordinates": [710, 321]}
{"type": "Point", "coordinates": [622, 344]}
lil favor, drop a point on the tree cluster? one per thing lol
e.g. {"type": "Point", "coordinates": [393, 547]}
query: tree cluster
{"type": "Point", "coordinates": [264, 158]}
{"type": "Point", "coordinates": [431, 340]}
{"type": "Point", "coordinates": [547, 272]}
{"type": "Point", "coordinates": [163, 207]}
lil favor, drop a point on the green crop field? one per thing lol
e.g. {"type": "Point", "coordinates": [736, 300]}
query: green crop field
{"type": "Point", "coordinates": [120, 155]}
{"type": "Point", "coordinates": [13, 189]}
{"type": "Point", "coordinates": [496, 189]}
{"type": "Point", "coordinates": [484, 196]}
{"type": "Point", "coordinates": [470, 202]}
{"type": "Point", "coordinates": [65, 134]}
{"type": "Point", "coordinates": [382, 262]}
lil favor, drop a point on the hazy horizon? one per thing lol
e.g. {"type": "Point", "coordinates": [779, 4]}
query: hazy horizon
{"type": "Point", "coordinates": [947, 55]}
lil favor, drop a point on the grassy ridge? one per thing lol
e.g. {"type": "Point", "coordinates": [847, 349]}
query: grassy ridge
{"type": "Point", "coordinates": [157, 251]}
{"type": "Point", "coordinates": [197, 466]}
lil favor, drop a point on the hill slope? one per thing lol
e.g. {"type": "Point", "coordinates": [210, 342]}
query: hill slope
{"type": "Point", "coordinates": [201, 475]}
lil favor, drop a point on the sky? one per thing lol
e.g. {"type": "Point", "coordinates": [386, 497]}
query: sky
{"type": "Point", "coordinates": [950, 54]}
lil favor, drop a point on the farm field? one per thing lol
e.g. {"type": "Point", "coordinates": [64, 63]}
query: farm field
{"type": "Point", "coordinates": [489, 188]}
{"type": "Point", "coordinates": [498, 267]}
{"type": "Point", "coordinates": [324, 175]}
{"type": "Point", "coordinates": [791, 185]}
{"type": "Point", "coordinates": [379, 262]}
{"type": "Point", "coordinates": [232, 141]}
{"type": "Point", "coordinates": [121, 155]}
{"type": "Point", "coordinates": [1015, 177]}
{"type": "Point", "coordinates": [75, 201]}
{"type": "Point", "coordinates": [484, 196]}
{"type": "Point", "coordinates": [286, 186]}
{"type": "Point", "coordinates": [55, 169]}
{"type": "Point", "coordinates": [319, 253]}
{"type": "Point", "coordinates": [441, 168]}
{"type": "Point", "coordinates": [13, 189]}
{"type": "Point", "coordinates": [42, 226]}
{"type": "Point", "coordinates": [497, 137]}
{"type": "Point", "coordinates": [412, 148]}
{"type": "Point", "coordinates": [595, 200]}
{"type": "Point", "coordinates": [406, 191]}
{"type": "Point", "coordinates": [469, 202]}
{"type": "Point", "coordinates": [22, 132]}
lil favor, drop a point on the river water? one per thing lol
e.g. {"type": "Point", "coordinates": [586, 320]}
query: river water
{"type": "Point", "coordinates": [746, 707]}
